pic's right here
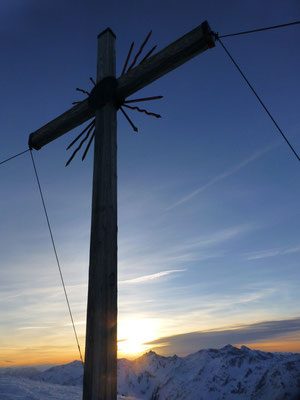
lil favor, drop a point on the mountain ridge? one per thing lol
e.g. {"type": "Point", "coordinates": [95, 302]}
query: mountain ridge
{"type": "Point", "coordinates": [212, 374]}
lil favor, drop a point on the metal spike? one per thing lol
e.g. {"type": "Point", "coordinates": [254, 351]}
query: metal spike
{"type": "Point", "coordinates": [82, 91]}
{"type": "Point", "coordinates": [79, 136]}
{"type": "Point", "coordinates": [143, 111]}
{"type": "Point", "coordinates": [148, 54]}
{"type": "Point", "coordinates": [143, 99]}
{"type": "Point", "coordinates": [77, 102]}
{"type": "Point", "coordinates": [129, 120]}
{"type": "Point", "coordinates": [140, 50]}
{"type": "Point", "coordinates": [88, 146]}
{"type": "Point", "coordinates": [127, 59]}
{"type": "Point", "coordinates": [79, 147]}
{"type": "Point", "coordinates": [92, 80]}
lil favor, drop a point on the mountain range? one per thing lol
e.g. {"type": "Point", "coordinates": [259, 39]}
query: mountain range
{"type": "Point", "coordinates": [212, 374]}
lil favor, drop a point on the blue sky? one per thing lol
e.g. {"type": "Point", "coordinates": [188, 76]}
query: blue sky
{"type": "Point", "coordinates": [208, 195]}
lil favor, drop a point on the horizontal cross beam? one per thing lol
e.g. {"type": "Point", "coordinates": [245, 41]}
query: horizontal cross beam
{"type": "Point", "coordinates": [177, 53]}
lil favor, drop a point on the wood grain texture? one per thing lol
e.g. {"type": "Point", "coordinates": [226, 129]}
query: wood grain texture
{"type": "Point", "coordinates": [171, 57]}
{"type": "Point", "coordinates": [67, 121]}
{"type": "Point", "coordinates": [100, 373]}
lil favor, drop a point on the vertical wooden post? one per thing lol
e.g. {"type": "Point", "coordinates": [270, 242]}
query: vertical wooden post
{"type": "Point", "coordinates": [100, 371]}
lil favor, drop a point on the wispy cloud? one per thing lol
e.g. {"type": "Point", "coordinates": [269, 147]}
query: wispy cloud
{"type": "Point", "coordinates": [77, 323]}
{"type": "Point", "coordinates": [272, 253]}
{"type": "Point", "coordinates": [23, 328]}
{"type": "Point", "coordinates": [147, 278]}
{"type": "Point", "coordinates": [177, 254]}
{"type": "Point", "coordinates": [228, 172]}
{"type": "Point", "coordinates": [217, 237]}
{"type": "Point", "coordinates": [201, 306]}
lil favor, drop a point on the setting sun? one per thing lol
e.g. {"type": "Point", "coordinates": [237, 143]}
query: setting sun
{"type": "Point", "coordinates": [133, 334]}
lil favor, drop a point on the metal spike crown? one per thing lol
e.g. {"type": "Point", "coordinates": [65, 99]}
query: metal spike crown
{"type": "Point", "coordinates": [90, 128]}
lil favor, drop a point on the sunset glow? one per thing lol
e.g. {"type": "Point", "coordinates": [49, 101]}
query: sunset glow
{"type": "Point", "coordinates": [282, 345]}
{"type": "Point", "coordinates": [132, 336]}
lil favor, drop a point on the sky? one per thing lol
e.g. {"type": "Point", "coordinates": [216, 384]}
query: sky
{"type": "Point", "coordinates": [208, 195]}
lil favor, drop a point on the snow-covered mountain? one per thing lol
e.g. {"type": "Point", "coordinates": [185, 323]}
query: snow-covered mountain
{"type": "Point", "coordinates": [227, 373]}
{"type": "Point", "coordinates": [208, 374]}
{"type": "Point", "coordinates": [68, 374]}
{"type": "Point", "coordinates": [213, 374]}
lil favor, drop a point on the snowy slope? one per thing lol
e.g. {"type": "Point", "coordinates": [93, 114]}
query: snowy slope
{"type": "Point", "coordinates": [227, 373]}
{"type": "Point", "coordinates": [12, 388]}
{"type": "Point", "coordinates": [24, 372]}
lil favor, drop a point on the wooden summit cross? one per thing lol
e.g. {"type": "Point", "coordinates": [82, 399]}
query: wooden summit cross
{"type": "Point", "coordinates": [100, 368]}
